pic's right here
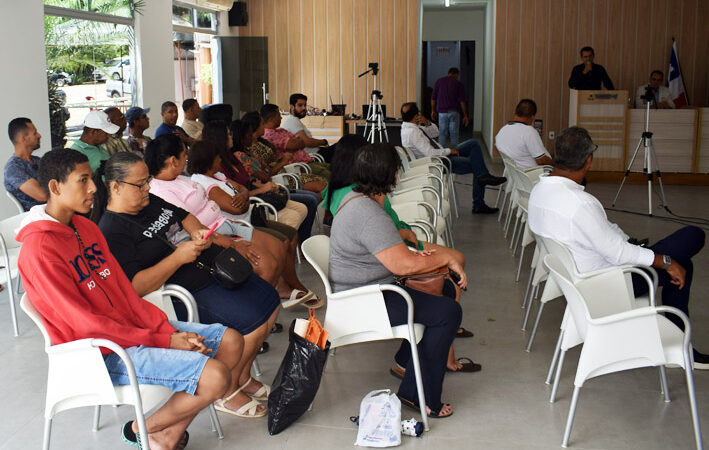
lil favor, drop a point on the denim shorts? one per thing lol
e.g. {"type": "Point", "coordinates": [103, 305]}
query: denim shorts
{"type": "Point", "coordinates": [179, 370]}
{"type": "Point", "coordinates": [229, 228]}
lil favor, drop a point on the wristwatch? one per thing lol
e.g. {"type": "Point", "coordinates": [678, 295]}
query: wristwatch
{"type": "Point", "coordinates": [667, 261]}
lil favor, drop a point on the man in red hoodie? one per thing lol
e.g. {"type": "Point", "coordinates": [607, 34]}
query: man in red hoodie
{"type": "Point", "coordinates": [76, 284]}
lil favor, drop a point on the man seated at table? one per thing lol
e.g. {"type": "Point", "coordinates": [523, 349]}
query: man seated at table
{"type": "Point", "coordinates": [168, 111]}
{"type": "Point", "coordinates": [190, 124]}
{"type": "Point", "coordinates": [97, 129]}
{"type": "Point", "coordinates": [21, 169]}
{"type": "Point", "coordinates": [81, 292]}
{"type": "Point", "coordinates": [418, 133]}
{"type": "Point", "coordinates": [662, 97]}
{"type": "Point", "coordinates": [520, 141]}
{"type": "Point", "coordinates": [559, 208]}
{"type": "Point", "coordinates": [292, 123]}
{"type": "Point", "coordinates": [115, 142]}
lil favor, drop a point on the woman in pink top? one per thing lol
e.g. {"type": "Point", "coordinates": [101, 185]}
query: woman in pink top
{"type": "Point", "coordinates": [166, 158]}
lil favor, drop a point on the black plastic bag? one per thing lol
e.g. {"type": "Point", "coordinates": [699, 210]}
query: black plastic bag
{"type": "Point", "coordinates": [296, 383]}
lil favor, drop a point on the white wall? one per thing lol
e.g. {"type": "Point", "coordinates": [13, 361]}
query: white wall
{"type": "Point", "coordinates": [461, 25]}
{"type": "Point", "coordinates": [489, 78]}
{"type": "Point", "coordinates": [154, 58]}
{"type": "Point", "coordinates": [23, 77]}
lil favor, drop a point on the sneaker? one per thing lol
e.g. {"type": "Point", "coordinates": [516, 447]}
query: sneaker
{"type": "Point", "coordinates": [484, 209]}
{"type": "Point", "coordinates": [490, 180]}
{"type": "Point", "coordinates": [701, 361]}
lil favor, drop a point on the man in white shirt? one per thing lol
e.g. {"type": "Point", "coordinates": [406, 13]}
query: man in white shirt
{"type": "Point", "coordinates": [192, 110]}
{"type": "Point", "coordinates": [292, 123]}
{"type": "Point", "coordinates": [663, 98]}
{"type": "Point", "coordinates": [520, 141]}
{"type": "Point", "coordinates": [559, 208]}
{"type": "Point", "coordinates": [418, 133]}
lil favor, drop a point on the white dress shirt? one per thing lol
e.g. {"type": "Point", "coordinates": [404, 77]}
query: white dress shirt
{"type": "Point", "coordinates": [662, 95]}
{"type": "Point", "coordinates": [521, 142]}
{"type": "Point", "coordinates": [295, 126]}
{"type": "Point", "coordinates": [559, 208]}
{"type": "Point", "coordinates": [413, 138]}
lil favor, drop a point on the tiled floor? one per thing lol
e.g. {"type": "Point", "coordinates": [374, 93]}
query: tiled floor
{"type": "Point", "coordinates": [503, 407]}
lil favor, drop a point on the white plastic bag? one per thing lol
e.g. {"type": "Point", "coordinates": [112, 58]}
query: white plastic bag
{"type": "Point", "coordinates": [379, 420]}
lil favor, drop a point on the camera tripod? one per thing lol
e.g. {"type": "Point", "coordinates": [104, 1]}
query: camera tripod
{"type": "Point", "coordinates": [649, 159]}
{"type": "Point", "coordinates": [375, 114]}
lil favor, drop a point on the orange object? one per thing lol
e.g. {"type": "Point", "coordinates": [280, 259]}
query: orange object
{"type": "Point", "coordinates": [315, 332]}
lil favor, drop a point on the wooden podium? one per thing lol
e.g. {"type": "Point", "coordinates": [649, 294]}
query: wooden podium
{"type": "Point", "coordinates": [605, 115]}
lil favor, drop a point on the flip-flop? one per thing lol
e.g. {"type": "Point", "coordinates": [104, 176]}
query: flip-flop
{"type": "Point", "coordinates": [294, 300]}
{"type": "Point", "coordinates": [133, 439]}
{"type": "Point", "coordinates": [247, 411]}
{"type": "Point", "coordinates": [397, 371]}
{"type": "Point", "coordinates": [264, 348]}
{"type": "Point", "coordinates": [313, 303]}
{"type": "Point", "coordinates": [434, 414]}
{"type": "Point", "coordinates": [277, 328]}
{"type": "Point", "coordinates": [262, 393]}
{"type": "Point", "coordinates": [469, 366]}
{"type": "Point", "coordinates": [463, 333]}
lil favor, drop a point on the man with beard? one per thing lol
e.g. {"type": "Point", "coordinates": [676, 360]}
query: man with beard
{"type": "Point", "coordinates": [292, 123]}
{"type": "Point", "coordinates": [21, 168]}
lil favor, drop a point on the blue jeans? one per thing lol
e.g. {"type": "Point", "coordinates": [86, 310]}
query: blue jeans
{"type": "Point", "coordinates": [681, 245]}
{"type": "Point", "coordinates": [470, 160]}
{"type": "Point", "coordinates": [448, 126]}
{"type": "Point", "coordinates": [310, 200]}
{"type": "Point", "coordinates": [179, 370]}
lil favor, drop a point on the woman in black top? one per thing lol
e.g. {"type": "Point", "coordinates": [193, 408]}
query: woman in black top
{"type": "Point", "coordinates": [137, 226]}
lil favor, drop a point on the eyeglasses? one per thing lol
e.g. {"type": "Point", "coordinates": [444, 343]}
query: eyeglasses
{"type": "Point", "coordinates": [141, 185]}
{"type": "Point", "coordinates": [595, 147]}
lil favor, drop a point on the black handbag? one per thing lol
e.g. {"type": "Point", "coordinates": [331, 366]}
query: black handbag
{"type": "Point", "coordinates": [276, 199]}
{"type": "Point", "coordinates": [229, 268]}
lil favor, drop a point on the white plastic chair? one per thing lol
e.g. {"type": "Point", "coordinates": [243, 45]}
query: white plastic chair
{"type": "Point", "coordinates": [648, 339]}
{"type": "Point", "coordinates": [16, 202]}
{"type": "Point", "coordinates": [78, 377]}
{"type": "Point", "coordinates": [10, 251]}
{"type": "Point", "coordinates": [359, 315]}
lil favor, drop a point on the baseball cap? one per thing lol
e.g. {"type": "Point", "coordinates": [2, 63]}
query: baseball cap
{"type": "Point", "coordinates": [136, 112]}
{"type": "Point", "coordinates": [98, 120]}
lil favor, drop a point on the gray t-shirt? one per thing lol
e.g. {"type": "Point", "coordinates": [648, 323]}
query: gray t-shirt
{"type": "Point", "coordinates": [360, 230]}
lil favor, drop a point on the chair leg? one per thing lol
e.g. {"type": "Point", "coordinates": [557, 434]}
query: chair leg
{"type": "Point", "coordinates": [692, 400]}
{"type": "Point", "coordinates": [557, 377]}
{"type": "Point", "coordinates": [97, 418]}
{"type": "Point", "coordinates": [419, 383]}
{"type": "Point", "coordinates": [528, 312]}
{"type": "Point", "coordinates": [664, 387]}
{"type": "Point", "coordinates": [509, 218]}
{"type": "Point", "coordinates": [554, 358]}
{"type": "Point", "coordinates": [534, 328]}
{"type": "Point", "coordinates": [570, 419]}
{"type": "Point", "coordinates": [532, 295]}
{"type": "Point", "coordinates": [297, 254]}
{"type": "Point", "coordinates": [529, 285]}
{"type": "Point", "coordinates": [519, 265]}
{"type": "Point", "coordinates": [11, 298]}
{"type": "Point", "coordinates": [216, 425]}
{"type": "Point", "coordinates": [332, 351]}
{"type": "Point", "coordinates": [256, 367]}
{"type": "Point", "coordinates": [47, 434]}
{"type": "Point", "coordinates": [514, 232]}
{"type": "Point", "coordinates": [502, 206]}
{"type": "Point", "coordinates": [454, 196]}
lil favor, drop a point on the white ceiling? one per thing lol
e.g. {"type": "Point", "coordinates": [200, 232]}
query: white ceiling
{"type": "Point", "coordinates": [455, 4]}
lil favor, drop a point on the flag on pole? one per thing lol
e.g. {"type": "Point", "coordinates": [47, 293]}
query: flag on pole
{"type": "Point", "coordinates": [675, 81]}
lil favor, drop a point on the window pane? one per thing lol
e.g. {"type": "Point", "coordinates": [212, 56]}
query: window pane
{"type": "Point", "coordinates": [204, 19]}
{"type": "Point", "coordinates": [89, 63]}
{"type": "Point", "coordinates": [120, 8]}
{"type": "Point", "coordinates": [182, 16]}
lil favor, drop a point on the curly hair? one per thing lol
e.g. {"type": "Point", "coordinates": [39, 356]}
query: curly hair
{"type": "Point", "coordinates": [375, 168]}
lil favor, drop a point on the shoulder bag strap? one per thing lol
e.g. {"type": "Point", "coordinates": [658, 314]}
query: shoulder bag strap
{"type": "Point", "coordinates": [347, 201]}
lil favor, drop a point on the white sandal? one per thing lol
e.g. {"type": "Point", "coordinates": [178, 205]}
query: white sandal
{"type": "Point", "coordinates": [247, 411]}
{"type": "Point", "coordinates": [262, 393]}
{"type": "Point", "coordinates": [294, 300]}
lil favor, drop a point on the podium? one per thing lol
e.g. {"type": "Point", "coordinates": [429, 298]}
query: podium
{"type": "Point", "coordinates": [605, 115]}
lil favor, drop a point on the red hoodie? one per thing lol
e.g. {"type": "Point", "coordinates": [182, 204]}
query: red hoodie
{"type": "Point", "coordinates": [66, 287]}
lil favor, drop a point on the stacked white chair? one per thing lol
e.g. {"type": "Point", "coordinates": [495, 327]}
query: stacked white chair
{"type": "Point", "coordinates": [9, 272]}
{"type": "Point", "coordinates": [16, 202]}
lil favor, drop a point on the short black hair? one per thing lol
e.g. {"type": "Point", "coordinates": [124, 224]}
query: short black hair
{"type": "Point", "coordinates": [658, 71]}
{"type": "Point", "coordinates": [409, 111]}
{"type": "Point", "coordinates": [269, 110]}
{"type": "Point", "coordinates": [453, 71]}
{"type": "Point", "coordinates": [572, 148]}
{"type": "Point", "coordinates": [17, 126]}
{"type": "Point", "coordinates": [374, 169]}
{"type": "Point", "coordinates": [295, 97]}
{"type": "Point", "coordinates": [253, 118]}
{"type": "Point", "coordinates": [166, 105]}
{"type": "Point", "coordinates": [201, 157]}
{"type": "Point", "coordinates": [57, 165]}
{"type": "Point", "coordinates": [342, 162]}
{"type": "Point", "coordinates": [526, 108]}
{"type": "Point", "coordinates": [239, 130]}
{"type": "Point", "coordinates": [587, 49]}
{"type": "Point", "coordinates": [160, 149]}
{"type": "Point", "coordinates": [187, 104]}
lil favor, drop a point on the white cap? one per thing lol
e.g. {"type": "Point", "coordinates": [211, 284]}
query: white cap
{"type": "Point", "coordinates": [99, 121]}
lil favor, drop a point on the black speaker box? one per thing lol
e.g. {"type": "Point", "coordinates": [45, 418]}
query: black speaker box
{"type": "Point", "coordinates": [238, 16]}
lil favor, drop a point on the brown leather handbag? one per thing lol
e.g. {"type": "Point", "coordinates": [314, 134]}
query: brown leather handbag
{"type": "Point", "coordinates": [430, 283]}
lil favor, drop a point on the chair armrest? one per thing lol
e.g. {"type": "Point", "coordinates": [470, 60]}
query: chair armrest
{"type": "Point", "coordinates": [362, 290]}
{"type": "Point", "coordinates": [651, 282]}
{"type": "Point", "coordinates": [420, 225]}
{"type": "Point", "coordinates": [317, 157]}
{"type": "Point", "coordinates": [427, 175]}
{"type": "Point", "coordinates": [182, 294]}
{"type": "Point", "coordinates": [259, 202]}
{"type": "Point", "coordinates": [422, 189]}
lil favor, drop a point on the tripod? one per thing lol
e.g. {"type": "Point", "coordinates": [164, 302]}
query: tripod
{"type": "Point", "coordinates": [650, 158]}
{"type": "Point", "coordinates": [375, 113]}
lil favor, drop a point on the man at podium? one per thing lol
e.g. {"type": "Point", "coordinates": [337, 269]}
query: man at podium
{"type": "Point", "coordinates": [588, 76]}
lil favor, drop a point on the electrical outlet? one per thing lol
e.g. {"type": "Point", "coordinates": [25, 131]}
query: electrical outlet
{"type": "Point", "coordinates": [552, 135]}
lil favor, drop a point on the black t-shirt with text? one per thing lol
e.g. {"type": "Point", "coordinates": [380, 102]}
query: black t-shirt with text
{"type": "Point", "coordinates": [135, 242]}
